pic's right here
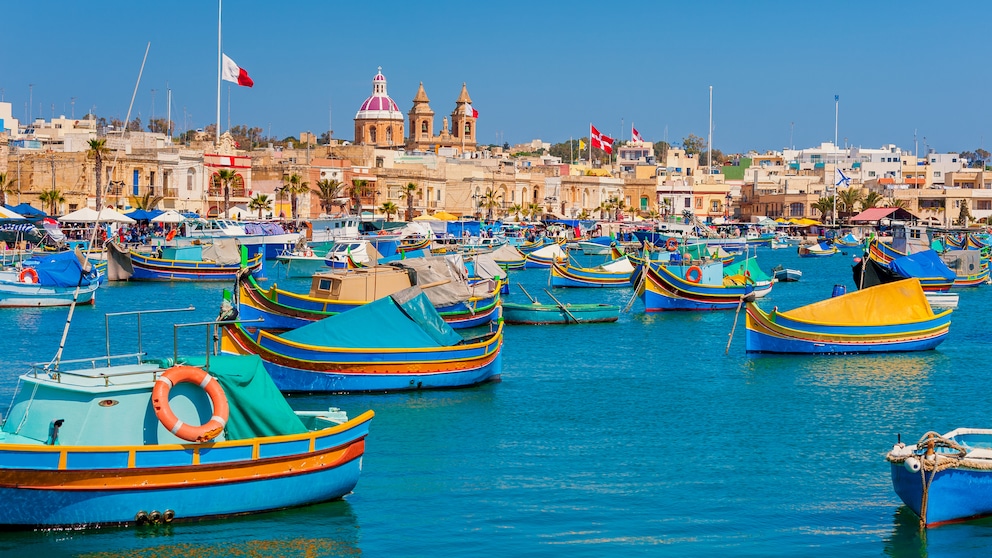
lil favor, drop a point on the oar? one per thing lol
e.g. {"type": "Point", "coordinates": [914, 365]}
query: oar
{"type": "Point", "coordinates": [637, 289]}
{"type": "Point", "coordinates": [562, 306]}
{"type": "Point", "coordinates": [435, 284]}
{"type": "Point", "coordinates": [532, 299]}
{"type": "Point", "coordinates": [734, 328]}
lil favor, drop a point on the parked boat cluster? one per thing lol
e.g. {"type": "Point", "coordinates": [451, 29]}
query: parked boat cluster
{"type": "Point", "coordinates": [411, 310]}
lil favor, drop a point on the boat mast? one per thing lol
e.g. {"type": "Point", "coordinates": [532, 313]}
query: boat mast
{"type": "Point", "coordinates": [218, 70]}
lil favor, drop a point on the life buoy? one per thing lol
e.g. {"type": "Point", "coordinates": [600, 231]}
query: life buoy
{"type": "Point", "coordinates": [171, 235]}
{"type": "Point", "coordinates": [308, 253]}
{"type": "Point", "coordinates": [694, 274]}
{"type": "Point", "coordinates": [28, 275]}
{"type": "Point", "coordinates": [193, 375]}
{"type": "Point", "coordinates": [672, 245]}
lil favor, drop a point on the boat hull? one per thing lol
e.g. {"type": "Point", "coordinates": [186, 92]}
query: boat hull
{"type": "Point", "coordinates": [665, 291]}
{"type": "Point", "coordinates": [28, 295]}
{"type": "Point", "coordinates": [62, 486]}
{"type": "Point", "coordinates": [955, 494]}
{"type": "Point", "coordinates": [542, 314]}
{"type": "Point", "coordinates": [154, 269]}
{"type": "Point", "coordinates": [565, 275]}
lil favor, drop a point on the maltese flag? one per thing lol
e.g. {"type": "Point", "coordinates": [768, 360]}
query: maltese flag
{"type": "Point", "coordinates": [234, 73]}
{"type": "Point", "coordinates": [634, 135]}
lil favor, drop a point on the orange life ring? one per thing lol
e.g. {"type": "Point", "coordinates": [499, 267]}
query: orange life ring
{"type": "Point", "coordinates": [193, 375]}
{"type": "Point", "coordinates": [171, 235]}
{"type": "Point", "coordinates": [671, 245]}
{"type": "Point", "coordinates": [694, 274]}
{"type": "Point", "coordinates": [28, 275]}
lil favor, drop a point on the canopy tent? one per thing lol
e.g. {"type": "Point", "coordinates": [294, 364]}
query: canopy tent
{"type": "Point", "coordinates": [8, 214]}
{"type": "Point", "coordinates": [87, 215]}
{"type": "Point", "coordinates": [879, 213]}
{"type": "Point", "coordinates": [26, 210]}
{"type": "Point", "coordinates": [444, 216]}
{"type": "Point", "coordinates": [144, 214]}
{"type": "Point", "coordinates": [170, 216]}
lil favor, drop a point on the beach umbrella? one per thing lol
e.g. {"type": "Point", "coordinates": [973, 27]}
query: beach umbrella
{"type": "Point", "coordinates": [444, 216]}
{"type": "Point", "coordinates": [170, 216]}
{"type": "Point", "coordinates": [87, 215]}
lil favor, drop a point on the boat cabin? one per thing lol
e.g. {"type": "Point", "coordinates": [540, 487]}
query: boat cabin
{"type": "Point", "coordinates": [366, 283]}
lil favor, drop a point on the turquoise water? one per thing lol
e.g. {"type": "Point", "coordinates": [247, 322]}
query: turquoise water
{"type": "Point", "coordinates": [635, 438]}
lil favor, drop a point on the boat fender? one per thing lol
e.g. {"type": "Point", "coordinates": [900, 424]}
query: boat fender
{"type": "Point", "coordinates": [28, 275]}
{"type": "Point", "coordinates": [141, 517]}
{"type": "Point", "coordinates": [168, 516]}
{"type": "Point", "coordinates": [671, 244]}
{"type": "Point", "coordinates": [694, 274]}
{"type": "Point", "coordinates": [912, 464]}
{"type": "Point", "coordinates": [155, 517]}
{"type": "Point", "coordinates": [171, 235]}
{"type": "Point", "coordinates": [188, 432]}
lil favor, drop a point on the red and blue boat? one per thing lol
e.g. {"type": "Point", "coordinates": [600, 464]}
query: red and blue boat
{"type": "Point", "coordinates": [615, 273]}
{"type": "Point", "coordinates": [693, 286]}
{"type": "Point", "coordinates": [220, 261]}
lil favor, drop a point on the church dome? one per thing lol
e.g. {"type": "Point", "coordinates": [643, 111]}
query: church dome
{"type": "Point", "coordinates": [379, 106]}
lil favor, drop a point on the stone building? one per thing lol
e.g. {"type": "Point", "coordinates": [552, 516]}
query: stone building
{"type": "Point", "coordinates": [459, 138]}
{"type": "Point", "coordinates": [379, 121]}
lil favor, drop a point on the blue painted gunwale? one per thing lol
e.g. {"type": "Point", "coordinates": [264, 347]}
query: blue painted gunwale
{"type": "Point", "coordinates": [147, 268]}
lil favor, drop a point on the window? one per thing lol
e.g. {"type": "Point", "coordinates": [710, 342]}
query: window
{"type": "Point", "coordinates": [871, 174]}
{"type": "Point", "coordinates": [985, 205]}
{"type": "Point", "coordinates": [714, 206]}
{"type": "Point", "coordinates": [190, 175]}
{"type": "Point", "coordinates": [797, 209]}
{"type": "Point", "coordinates": [468, 128]}
{"type": "Point", "coordinates": [936, 174]}
{"type": "Point", "coordinates": [389, 135]}
{"type": "Point", "coordinates": [688, 203]}
{"type": "Point", "coordinates": [371, 135]}
{"type": "Point", "coordinates": [699, 203]}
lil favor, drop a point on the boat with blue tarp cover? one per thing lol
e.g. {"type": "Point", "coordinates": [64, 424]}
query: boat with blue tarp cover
{"type": "Point", "coordinates": [53, 279]}
{"type": "Point", "coordinates": [410, 348]}
{"type": "Point", "coordinates": [219, 261]}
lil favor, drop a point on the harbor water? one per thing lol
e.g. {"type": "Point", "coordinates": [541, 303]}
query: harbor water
{"type": "Point", "coordinates": [636, 438]}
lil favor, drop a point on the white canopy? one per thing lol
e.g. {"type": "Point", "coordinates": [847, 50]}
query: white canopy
{"type": "Point", "coordinates": [87, 215]}
{"type": "Point", "coordinates": [170, 216]}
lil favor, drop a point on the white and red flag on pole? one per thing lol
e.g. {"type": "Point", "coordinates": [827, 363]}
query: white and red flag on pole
{"type": "Point", "coordinates": [634, 135]}
{"type": "Point", "coordinates": [600, 141]}
{"type": "Point", "coordinates": [234, 73]}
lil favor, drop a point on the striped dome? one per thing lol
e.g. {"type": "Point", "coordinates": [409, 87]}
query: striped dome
{"type": "Point", "coordinates": [379, 106]}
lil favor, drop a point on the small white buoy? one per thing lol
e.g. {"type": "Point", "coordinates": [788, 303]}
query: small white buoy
{"type": "Point", "coordinates": [912, 464]}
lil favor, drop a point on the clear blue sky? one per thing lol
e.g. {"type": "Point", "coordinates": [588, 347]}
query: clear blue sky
{"type": "Point", "coordinates": [534, 69]}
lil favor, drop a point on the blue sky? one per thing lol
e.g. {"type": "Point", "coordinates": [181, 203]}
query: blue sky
{"type": "Point", "coordinates": [534, 70]}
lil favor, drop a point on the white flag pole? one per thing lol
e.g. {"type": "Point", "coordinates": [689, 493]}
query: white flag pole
{"type": "Point", "coordinates": [218, 69]}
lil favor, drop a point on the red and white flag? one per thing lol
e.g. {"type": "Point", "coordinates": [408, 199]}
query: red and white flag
{"type": "Point", "coordinates": [470, 111]}
{"type": "Point", "coordinates": [600, 141]}
{"type": "Point", "coordinates": [634, 135]}
{"type": "Point", "coordinates": [229, 71]}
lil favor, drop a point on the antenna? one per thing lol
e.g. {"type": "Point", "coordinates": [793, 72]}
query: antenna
{"type": "Point", "coordinates": [72, 102]}
{"type": "Point", "coordinates": [30, 103]}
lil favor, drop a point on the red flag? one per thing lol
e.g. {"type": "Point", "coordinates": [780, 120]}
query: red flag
{"type": "Point", "coordinates": [634, 135]}
{"type": "Point", "coordinates": [601, 141]}
{"type": "Point", "coordinates": [234, 73]}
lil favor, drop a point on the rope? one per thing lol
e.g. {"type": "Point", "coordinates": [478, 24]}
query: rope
{"type": "Point", "coordinates": [932, 463]}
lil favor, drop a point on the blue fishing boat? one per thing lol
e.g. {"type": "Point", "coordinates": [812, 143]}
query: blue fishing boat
{"type": "Point", "coordinates": [124, 440]}
{"type": "Point", "coordinates": [216, 262]}
{"type": "Point", "coordinates": [692, 286]}
{"type": "Point", "coordinates": [848, 240]}
{"type": "Point", "coordinates": [891, 317]}
{"type": "Point", "coordinates": [945, 478]}
{"type": "Point", "coordinates": [49, 280]}
{"type": "Point", "coordinates": [410, 347]}
{"type": "Point", "coordinates": [615, 273]}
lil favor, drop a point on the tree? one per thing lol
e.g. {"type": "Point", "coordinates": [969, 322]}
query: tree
{"type": "Point", "coordinates": [516, 209]}
{"type": "Point", "coordinates": [260, 203]}
{"type": "Point", "coordinates": [407, 192]}
{"type": "Point", "coordinates": [718, 158]}
{"type": "Point", "coordinates": [389, 208]}
{"type": "Point", "coordinates": [964, 215]}
{"type": "Point", "coordinates": [328, 192]}
{"type": "Point", "coordinates": [226, 177]}
{"type": "Point", "coordinates": [98, 148]}
{"type": "Point", "coordinates": [848, 200]}
{"type": "Point", "coordinates": [52, 198]}
{"type": "Point", "coordinates": [159, 125]}
{"type": "Point", "coordinates": [359, 188]}
{"type": "Point", "coordinates": [901, 203]}
{"type": "Point", "coordinates": [134, 125]}
{"type": "Point", "coordinates": [693, 144]}
{"type": "Point", "coordinates": [825, 206]}
{"type": "Point", "coordinates": [660, 151]}
{"type": "Point", "coordinates": [6, 187]}
{"type": "Point", "coordinates": [567, 150]}
{"type": "Point", "coordinates": [148, 201]}
{"type": "Point", "coordinates": [490, 200]}
{"type": "Point", "coordinates": [535, 210]}
{"type": "Point", "coordinates": [871, 199]}
{"type": "Point", "coordinates": [295, 186]}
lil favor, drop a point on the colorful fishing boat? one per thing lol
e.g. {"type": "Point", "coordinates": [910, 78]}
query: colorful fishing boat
{"type": "Point", "coordinates": [596, 246]}
{"type": "Point", "coordinates": [615, 273]}
{"type": "Point", "coordinates": [113, 440]}
{"type": "Point", "coordinates": [820, 249]}
{"type": "Point", "coordinates": [848, 240]}
{"type": "Point", "coordinates": [219, 261]}
{"type": "Point", "coordinates": [335, 292]}
{"type": "Point", "coordinates": [883, 252]}
{"type": "Point", "coordinates": [410, 348]}
{"type": "Point", "coordinates": [927, 266]}
{"type": "Point", "coordinates": [544, 314]}
{"type": "Point", "coordinates": [945, 478]}
{"type": "Point", "coordinates": [786, 275]}
{"type": "Point", "coordinates": [508, 257]}
{"type": "Point", "coordinates": [891, 317]}
{"type": "Point", "coordinates": [301, 261]}
{"type": "Point", "coordinates": [49, 280]}
{"type": "Point", "coordinates": [970, 268]}
{"type": "Point", "coordinates": [692, 287]}
{"type": "Point", "coordinates": [543, 257]}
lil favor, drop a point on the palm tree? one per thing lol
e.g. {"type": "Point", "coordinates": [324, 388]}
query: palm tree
{"type": "Point", "coordinates": [824, 205]}
{"type": "Point", "coordinates": [535, 210]}
{"type": "Point", "coordinates": [584, 214]}
{"type": "Point", "coordinates": [53, 198]}
{"type": "Point", "coordinates": [148, 201]}
{"type": "Point", "coordinates": [327, 192]}
{"type": "Point", "coordinates": [389, 208]}
{"type": "Point", "coordinates": [5, 187]}
{"type": "Point", "coordinates": [849, 199]}
{"type": "Point", "coordinates": [516, 209]}
{"type": "Point", "coordinates": [260, 202]}
{"type": "Point", "coordinates": [98, 147]}
{"type": "Point", "coordinates": [280, 194]}
{"type": "Point", "coordinates": [359, 188]}
{"type": "Point", "coordinates": [225, 177]}
{"type": "Point", "coordinates": [490, 200]}
{"type": "Point", "coordinates": [295, 185]}
{"type": "Point", "coordinates": [407, 192]}
{"type": "Point", "coordinates": [901, 203]}
{"type": "Point", "coordinates": [872, 199]}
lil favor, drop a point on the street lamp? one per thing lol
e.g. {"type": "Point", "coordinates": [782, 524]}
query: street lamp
{"type": "Point", "coordinates": [726, 208]}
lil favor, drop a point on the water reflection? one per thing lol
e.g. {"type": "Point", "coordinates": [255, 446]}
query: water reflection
{"type": "Point", "coordinates": [971, 538]}
{"type": "Point", "coordinates": [329, 529]}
